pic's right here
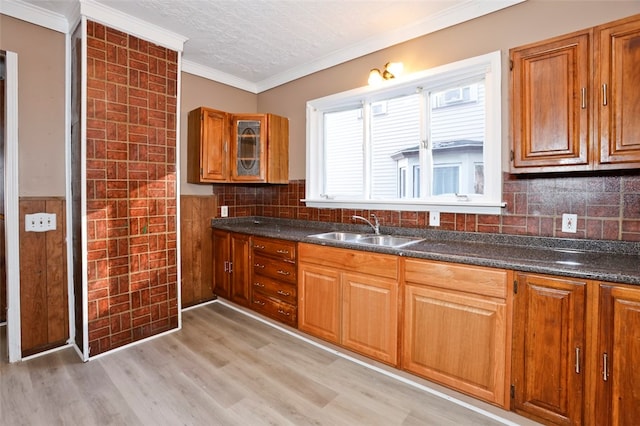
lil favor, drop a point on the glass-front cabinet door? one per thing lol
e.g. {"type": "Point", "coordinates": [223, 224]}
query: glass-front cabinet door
{"type": "Point", "coordinates": [248, 148]}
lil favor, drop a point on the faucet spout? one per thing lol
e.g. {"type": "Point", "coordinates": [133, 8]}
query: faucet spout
{"type": "Point", "coordinates": [376, 227]}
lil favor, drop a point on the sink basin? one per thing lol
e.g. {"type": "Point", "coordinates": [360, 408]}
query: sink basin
{"type": "Point", "coordinates": [388, 240]}
{"type": "Point", "coordinates": [339, 236]}
{"type": "Point", "coordinates": [368, 239]}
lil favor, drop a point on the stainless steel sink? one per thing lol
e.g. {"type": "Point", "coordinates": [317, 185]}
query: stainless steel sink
{"type": "Point", "coordinates": [388, 240]}
{"type": "Point", "coordinates": [339, 236]}
{"type": "Point", "coordinates": [368, 239]}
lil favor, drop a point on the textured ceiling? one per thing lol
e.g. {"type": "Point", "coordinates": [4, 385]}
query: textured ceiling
{"type": "Point", "coordinates": [263, 43]}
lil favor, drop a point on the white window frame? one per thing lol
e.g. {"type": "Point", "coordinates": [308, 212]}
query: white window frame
{"type": "Point", "coordinates": [488, 203]}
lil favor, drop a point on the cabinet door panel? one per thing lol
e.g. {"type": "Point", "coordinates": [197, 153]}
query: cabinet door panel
{"type": "Point", "coordinates": [221, 281]}
{"type": "Point", "coordinates": [369, 316]}
{"type": "Point", "coordinates": [248, 148]}
{"type": "Point", "coordinates": [456, 339]}
{"type": "Point", "coordinates": [240, 272]}
{"type": "Point", "coordinates": [548, 348]}
{"type": "Point", "coordinates": [318, 302]}
{"type": "Point", "coordinates": [618, 50]}
{"type": "Point", "coordinates": [618, 389]}
{"type": "Point", "coordinates": [550, 83]}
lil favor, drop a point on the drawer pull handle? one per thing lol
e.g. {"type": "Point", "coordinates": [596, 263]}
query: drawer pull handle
{"type": "Point", "coordinates": [583, 102]}
{"type": "Point", "coordinates": [257, 265]}
{"type": "Point", "coordinates": [281, 272]}
{"type": "Point", "coordinates": [256, 284]}
{"type": "Point", "coordinates": [258, 246]}
{"type": "Point", "coordinates": [282, 251]}
{"type": "Point", "coordinates": [605, 367]}
{"type": "Point", "coordinates": [283, 293]}
{"type": "Point", "coordinates": [258, 302]}
{"type": "Point", "coordinates": [280, 311]}
{"type": "Point", "coordinates": [577, 360]}
{"type": "Point", "coordinates": [604, 95]}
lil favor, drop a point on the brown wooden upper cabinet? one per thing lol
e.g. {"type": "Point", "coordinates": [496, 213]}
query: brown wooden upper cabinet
{"type": "Point", "coordinates": [574, 101]}
{"type": "Point", "coordinates": [224, 147]}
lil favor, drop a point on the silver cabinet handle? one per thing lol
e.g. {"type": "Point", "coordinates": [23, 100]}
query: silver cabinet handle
{"type": "Point", "coordinates": [258, 265]}
{"type": "Point", "coordinates": [258, 302]}
{"type": "Point", "coordinates": [605, 367]}
{"type": "Point", "coordinates": [281, 272]}
{"type": "Point", "coordinates": [258, 246]}
{"type": "Point", "coordinates": [577, 360]}
{"type": "Point", "coordinates": [257, 284]}
{"type": "Point", "coordinates": [604, 95]}
{"type": "Point", "coordinates": [283, 293]}
{"type": "Point", "coordinates": [282, 251]}
{"type": "Point", "coordinates": [584, 97]}
{"type": "Point", "coordinates": [280, 311]}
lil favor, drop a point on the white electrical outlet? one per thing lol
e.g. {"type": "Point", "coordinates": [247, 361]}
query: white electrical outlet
{"type": "Point", "coordinates": [224, 211]}
{"type": "Point", "coordinates": [434, 218]}
{"type": "Point", "coordinates": [569, 223]}
{"type": "Point", "coordinates": [40, 222]}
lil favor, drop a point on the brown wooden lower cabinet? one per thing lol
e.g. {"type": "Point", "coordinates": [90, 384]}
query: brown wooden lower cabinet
{"type": "Point", "coordinates": [576, 351]}
{"type": "Point", "coordinates": [231, 271]}
{"type": "Point", "coordinates": [548, 348]}
{"type": "Point", "coordinates": [350, 298]}
{"type": "Point", "coordinates": [456, 327]}
{"type": "Point", "coordinates": [274, 279]}
{"type": "Point", "coordinates": [617, 359]}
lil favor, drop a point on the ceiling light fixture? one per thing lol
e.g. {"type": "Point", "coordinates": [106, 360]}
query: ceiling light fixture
{"type": "Point", "coordinates": [391, 70]}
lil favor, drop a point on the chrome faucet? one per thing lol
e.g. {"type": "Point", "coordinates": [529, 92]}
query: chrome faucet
{"type": "Point", "coordinates": [376, 227]}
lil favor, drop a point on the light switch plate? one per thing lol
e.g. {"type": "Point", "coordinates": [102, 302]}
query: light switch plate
{"type": "Point", "coordinates": [224, 211]}
{"type": "Point", "coordinates": [434, 218]}
{"type": "Point", "coordinates": [569, 223]}
{"type": "Point", "coordinates": [40, 222]}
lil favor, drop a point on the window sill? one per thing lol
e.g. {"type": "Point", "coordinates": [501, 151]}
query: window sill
{"type": "Point", "coordinates": [469, 207]}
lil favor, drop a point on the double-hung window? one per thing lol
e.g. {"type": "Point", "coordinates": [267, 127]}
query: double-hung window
{"type": "Point", "coordinates": [429, 141]}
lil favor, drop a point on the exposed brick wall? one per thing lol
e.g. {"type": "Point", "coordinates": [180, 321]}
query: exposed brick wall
{"type": "Point", "coordinates": [131, 188]}
{"type": "Point", "coordinates": [608, 207]}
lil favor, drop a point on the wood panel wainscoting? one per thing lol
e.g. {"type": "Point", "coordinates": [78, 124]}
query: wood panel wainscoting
{"type": "Point", "coordinates": [44, 309]}
{"type": "Point", "coordinates": [197, 248]}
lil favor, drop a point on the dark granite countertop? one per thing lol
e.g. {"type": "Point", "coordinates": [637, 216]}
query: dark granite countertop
{"type": "Point", "coordinates": [613, 261]}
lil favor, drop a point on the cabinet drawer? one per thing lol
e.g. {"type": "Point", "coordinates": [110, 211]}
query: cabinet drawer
{"type": "Point", "coordinates": [277, 269]}
{"type": "Point", "coordinates": [276, 248]}
{"type": "Point", "coordinates": [280, 311]}
{"type": "Point", "coordinates": [276, 289]}
{"type": "Point", "coordinates": [465, 278]}
{"type": "Point", "coordinates": [383, 265]}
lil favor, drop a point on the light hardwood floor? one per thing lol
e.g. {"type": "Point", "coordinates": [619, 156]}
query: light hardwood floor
{"type": "Point", "coordinates": [222, 368]}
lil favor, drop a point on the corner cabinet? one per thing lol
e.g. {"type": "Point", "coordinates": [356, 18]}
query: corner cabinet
{"type": "Point", "coordinates": [574, 103]}
{"type": "Point", "coordinates": [249, 148]}
{"type": "Point", "coordinates": [350, 298]}
{"type": "Point", "coordinates": [457, 327]}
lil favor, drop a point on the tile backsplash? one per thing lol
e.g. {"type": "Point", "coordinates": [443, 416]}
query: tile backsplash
{"type": "Point", "coordinates": [608, 207]}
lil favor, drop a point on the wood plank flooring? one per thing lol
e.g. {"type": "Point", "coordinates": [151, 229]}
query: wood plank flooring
{"type": "Point", "coordinates": [222, 368]}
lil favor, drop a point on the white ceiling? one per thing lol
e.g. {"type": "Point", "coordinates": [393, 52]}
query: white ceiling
{"type": "Point", "coordinates": [259, 44]}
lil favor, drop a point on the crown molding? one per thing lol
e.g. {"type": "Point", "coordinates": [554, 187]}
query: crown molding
{"type": "Point", "coordinates": [219, 76]}
{"type": "Point", "coordinates": [35, 15]}
{"type": "Point", "coordinates": [137, 27]}
{"type": "Point", "coordinates": [455, 15]}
